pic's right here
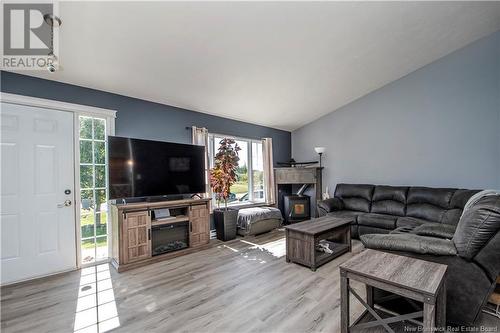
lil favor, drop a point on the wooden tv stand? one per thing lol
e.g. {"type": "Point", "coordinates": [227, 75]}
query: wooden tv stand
{"type": "Point", "coordinates": [131, 230]}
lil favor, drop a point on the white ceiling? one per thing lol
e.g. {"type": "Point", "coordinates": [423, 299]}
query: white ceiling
{"type": "Point", "coordinates": [279, 64]}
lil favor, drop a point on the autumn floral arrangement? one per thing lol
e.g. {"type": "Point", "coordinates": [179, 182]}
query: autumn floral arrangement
{"type": "Point", "coordinates": [223, 174]}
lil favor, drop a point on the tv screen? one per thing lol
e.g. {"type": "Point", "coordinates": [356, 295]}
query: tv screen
{"type": "Point", "coordinates": [144, 168]}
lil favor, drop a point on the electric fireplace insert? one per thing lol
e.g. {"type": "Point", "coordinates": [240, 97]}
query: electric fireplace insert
{"type": "Point", "coordinates": [169, 237]}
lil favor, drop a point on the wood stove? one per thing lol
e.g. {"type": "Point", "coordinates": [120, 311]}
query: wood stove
{"type": "Point", "coordinates": [295, 181]}
{"type": "Point", "coordinates": [296, 208]}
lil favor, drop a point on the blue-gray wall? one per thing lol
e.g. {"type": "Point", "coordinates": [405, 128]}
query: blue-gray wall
{"type": "Point", "coordinates": [142, 119]}
{"type": "Point", "coordinates": [438, 126]}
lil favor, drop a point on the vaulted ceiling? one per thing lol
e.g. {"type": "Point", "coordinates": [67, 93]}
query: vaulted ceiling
{"type": "Point", "coordinates": [279, 64]}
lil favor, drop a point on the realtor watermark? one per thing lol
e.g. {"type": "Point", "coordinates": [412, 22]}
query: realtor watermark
{"type": "Point", "coordinates": [450, 329]}
{"type": "Point", "coordinates": [29, 39]}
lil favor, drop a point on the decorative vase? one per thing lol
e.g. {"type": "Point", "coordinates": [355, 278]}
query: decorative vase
{"type": "Point", "coordinates": [225, 223]}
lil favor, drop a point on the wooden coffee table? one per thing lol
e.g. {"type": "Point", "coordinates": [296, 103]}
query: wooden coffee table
{"type": "Point", "coordinates": [302, 240]}
{"type": "Point", "coordinates": [414, 279]}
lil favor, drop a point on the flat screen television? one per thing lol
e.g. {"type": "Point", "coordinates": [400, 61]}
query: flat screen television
{"type": "Point", "coordinates": [145, 168]}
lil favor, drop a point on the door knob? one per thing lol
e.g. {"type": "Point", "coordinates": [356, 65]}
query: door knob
{"type": "Point", "coordinates": [66, 203]}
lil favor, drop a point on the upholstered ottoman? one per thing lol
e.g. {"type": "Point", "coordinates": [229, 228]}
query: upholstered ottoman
{"type": "Point", "coordinates": [257, 220]}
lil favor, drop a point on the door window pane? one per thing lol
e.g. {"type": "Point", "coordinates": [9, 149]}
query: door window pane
{"type": "Point", "coordinates": [99, 129]}
{"type": "Point", "coordinates": [88, 250]}
{"type": "Point", "coordinates": [100, 176]}
{"type": "Point", "coordinates": [101, 201]}
{"type": "Point", "coordinates": [101, 224]}
{"type": "Point", "coordinates": [85, 151]}
{"type": "Point", "coordinates": [99, 152]}
{"type": "Point", "coordinates": [101, 247]}
{"type": "Point", "coordinates": [87, 201]}
{"type": "Point", "coordinates": [86, 176]}
{"type": "Point", "coordinates": [87, 224]}
{"type": "Point", "coordinates": [85, 128]}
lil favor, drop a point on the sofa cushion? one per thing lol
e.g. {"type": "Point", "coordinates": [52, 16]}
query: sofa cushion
{"type": "Point", "coordinates": [364, 230]}
{"type": "Point", "coordinates": [378, 221]}
{"type": "Point", "coordinates": [429, 203]}
{"type": "Point", "coordinates": [440, 197]}
{"type": "Point", "coordinates": [477, 226]}
{"type": "Point", "coordinates": [411, 243]}
{"type": "Point", "coordinates": [355, 197]}
{"type": "Point", "coordinates": [389, 200]}
{"type": "Point", "coordinates": [346, 213]}
{"type": "Point", "coordinates": [406, 221]}
{"type": "Point", "coordinates": [426, 211]}
{"type": "Point", "coordinates": [439, 230]}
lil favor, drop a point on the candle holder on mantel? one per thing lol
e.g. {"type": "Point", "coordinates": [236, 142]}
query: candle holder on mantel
{"type": "Point", "coordinates": [320, 151]}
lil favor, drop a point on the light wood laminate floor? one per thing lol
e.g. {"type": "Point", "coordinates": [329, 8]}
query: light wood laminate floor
{"type": "Point", "coordinates": [243, 285]}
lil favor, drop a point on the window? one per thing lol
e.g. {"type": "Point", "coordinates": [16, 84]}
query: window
{"type": "Point", "coordinates": [249, 188]}
{"type": "Point", "coordinates": [93, 189]}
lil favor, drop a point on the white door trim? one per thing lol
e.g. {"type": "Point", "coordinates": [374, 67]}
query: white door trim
{"type": "Point", "coordinates": [52, 104]}
{"type": "Point", "coordinates": [77, 110]}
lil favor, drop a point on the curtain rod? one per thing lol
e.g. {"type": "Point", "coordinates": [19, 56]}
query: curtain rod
{"type": "Point", "coordinates": [191, 127]}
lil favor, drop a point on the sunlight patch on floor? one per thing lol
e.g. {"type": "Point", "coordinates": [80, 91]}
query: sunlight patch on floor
{"type": "Point", "coordinates": [276, 248]}
{"type": "Point", "coordinates": [228, 247]}
{"type": "Point", "coordinates": [96, 307]}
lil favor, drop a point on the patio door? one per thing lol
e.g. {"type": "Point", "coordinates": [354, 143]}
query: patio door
{"type": "Point", "coordinates": [37, 217]}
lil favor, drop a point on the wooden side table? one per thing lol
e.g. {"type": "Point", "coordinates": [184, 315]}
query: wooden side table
{"type": "Point", "coordinates": [415, 279]}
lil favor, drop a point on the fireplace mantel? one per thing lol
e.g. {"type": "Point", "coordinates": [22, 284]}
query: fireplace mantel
{"type": "Point", "coordinates": [298, 176]}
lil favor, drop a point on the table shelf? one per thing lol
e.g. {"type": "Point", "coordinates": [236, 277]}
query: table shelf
{"type": "Point", "coordinates": [337, 248]}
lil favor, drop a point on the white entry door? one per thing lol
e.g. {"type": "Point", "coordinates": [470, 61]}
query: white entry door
{"type": "Point", "coordinates": [37, 217]}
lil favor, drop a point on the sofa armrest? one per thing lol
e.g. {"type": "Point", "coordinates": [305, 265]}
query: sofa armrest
{"type": "Point", "coordinates": [329, 205]}
{"type": "Point", "coordinates": [410, 243]}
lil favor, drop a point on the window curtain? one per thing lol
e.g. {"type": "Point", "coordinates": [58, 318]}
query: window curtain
{"type": "Point", "coordinates": [200, 138]}
{"type": "Point", "coordinates": [267, 157]}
